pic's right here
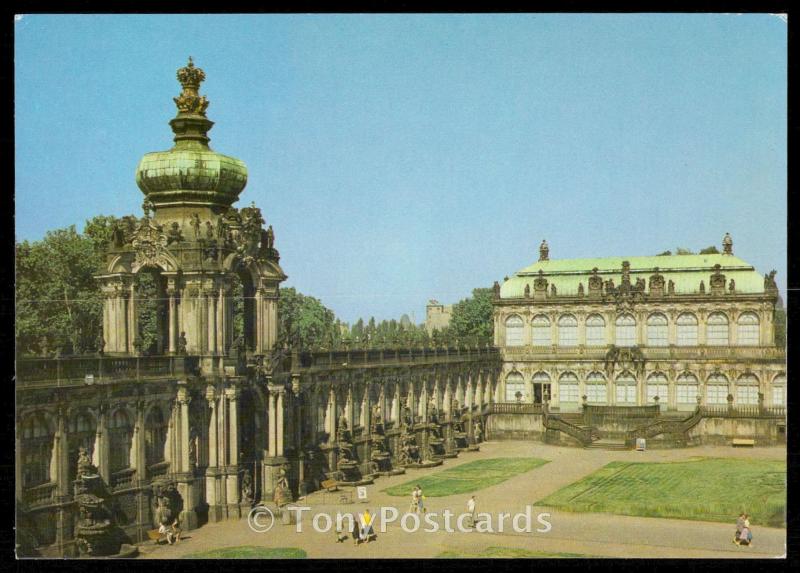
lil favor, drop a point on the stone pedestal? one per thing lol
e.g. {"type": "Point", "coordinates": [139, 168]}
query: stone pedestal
{"type": "Point", "coordinates": [189, 494]}
{"type": "Point", "coordinates": [271, 467]}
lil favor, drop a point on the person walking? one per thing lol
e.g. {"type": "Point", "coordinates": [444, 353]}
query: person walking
{"type": "Point", "coordinates": [366, 529]}
{"type": "Point", "coordinates": [420, 500]}
{"type": "Point", "coordinates": [354, 531]}
{"type": "Point", "coordinates": [414, 507]}
{"type": "Point", "coordinates": [471, 510]}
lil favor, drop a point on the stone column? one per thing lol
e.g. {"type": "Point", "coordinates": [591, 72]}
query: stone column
{"type": "Point", "coordinates": [139, 447]}
{"type": "Point", "coordinates": [184, 470]}
{"type": "Point", "coordinates": [232, 469]}
{"type": "Point", "coordinates": [280, 422]}
{"type": "Point", "coordinates": [102, 445]}
{"type": "Point", "coordinates": [222, 343]}
{"type": "Point", "coordinates": [173, 321]}
{"type": "Point", "coordinates": [272, 431]}
{"type": "Point", "coordinates": [132, 329]}
{"type": "Point", "coordinates": [260, 319]}
{"type": "Point", "coordinates": [212, 472]}
{"type": "Point", "coordinates": [211, 309]}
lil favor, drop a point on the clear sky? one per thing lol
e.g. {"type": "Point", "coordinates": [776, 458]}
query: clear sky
{"type": "Point", "coordinates": [402, 158]}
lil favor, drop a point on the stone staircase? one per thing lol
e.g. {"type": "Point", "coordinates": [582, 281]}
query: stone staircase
{"type": "Point", "coordinates": [607, 444]}
{"type": "Point", "coordinates": [576, 419]}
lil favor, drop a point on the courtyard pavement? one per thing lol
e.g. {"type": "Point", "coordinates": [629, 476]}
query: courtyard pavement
{"type": "Point", "coordinates": [591, 534]}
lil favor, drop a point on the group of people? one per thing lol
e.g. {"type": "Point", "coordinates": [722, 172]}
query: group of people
{"type": "Point", "coordinates": [417, 501]}
{"type": "Point", "coordinates": [361, 533]}
{"type": "Point", "coordinates": [171, 532]}
{"type": "Point", "coordinates": [743, 536]}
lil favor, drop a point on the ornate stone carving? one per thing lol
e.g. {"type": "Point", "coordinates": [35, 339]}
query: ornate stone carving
{"type": "Point", "coordinates": [190, 101]}
{"type": "Point", "coordinates": [656, 283]}
{"type": "Point", "coordinates": [544, 251]}
{"type": "Point", "coordinates": [149, 243]}
{"type": "Point", "coordinates": [595, 283]}
{"type": "Point", "coordinates": [769, 282]}
{"type": "Point", "coordinates": [717, 280]}
{"type": "Point", "coordinates": [527, 291]}
{"type": "Point", "coordinates": [727, 244]}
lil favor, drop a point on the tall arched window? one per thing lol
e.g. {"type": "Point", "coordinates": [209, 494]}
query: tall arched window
{"type": "Point", "coordinates": [596, 392]}
{"type": "Point", "coordinates": [779, 390]}
{"type": "Point", "coordinates": [155, 437]}
{"type": "Point", "coordinates": [657, 385]}
{"type": "Point", "coordinates": [626, 388]}
{"type": "Point", "coordinates": [747, 390]}
{"type": "Point", "coordinates": [568, 388]}
{"type": "Point", "coordinates": [687, 329]}
{"type": "Point", "coordinates": [567, 330]}
{"type": "Point", "coordinates": [626, 330]}
{"type": "Point", "coordinates": [747, 331]}
{"type": "Point", "coordinates": [541, 387]}
{"type": "Point", "coordinates": [595, 330]}
{"type": "Point", "coordinates": [37, 450]}
{"type": "Point", "coordinates": [541, 330]}
{"type": "Point", "coordinates": [717, 329]}
{"type": "Point", "coordinates": [120, 435]}
{"type": "Point", "coordinates": [717, 389]}
{"type": "Point", "coordinates": [657, 330]}
{"type": "Point", "coordinates": [514, 330]}
{"type": "Point", "coordinates": [81, 433]}
{"type": "Point", "coordinates": [687, 389]}
{"type": "Point", "coordinates": [515, 383]}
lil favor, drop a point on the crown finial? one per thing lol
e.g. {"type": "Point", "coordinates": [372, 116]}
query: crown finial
{"type": "Point", "coordinates": [190, 101]}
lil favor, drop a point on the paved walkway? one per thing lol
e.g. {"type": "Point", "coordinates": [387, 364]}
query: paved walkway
{"type": "Point", "coordinates": [589, 534]}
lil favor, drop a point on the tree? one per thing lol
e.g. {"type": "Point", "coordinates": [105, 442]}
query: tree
{"type": "Point", "coordinates": [683, 251]}
{"type": "Point", "coordinates": [58, 303]}
{"type": "Point", "coordinates": [712, 250]}
{"type": "Point", "coordinates": [304, 320]}
{"type": "Point", "coordinates": [664, 254]}
{"type": "Point", "coordinates": [472, 317]}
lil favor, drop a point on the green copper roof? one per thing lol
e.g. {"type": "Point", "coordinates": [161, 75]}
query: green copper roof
{"type": "Point", "coordinates": [686, 271]}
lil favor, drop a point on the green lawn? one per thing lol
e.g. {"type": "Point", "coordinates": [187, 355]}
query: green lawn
{"type": "Point", "coordinates": [509, 552]}
{"type": "Point", "coordinates": [708, 489]}
{"type": "Point", "coordinates": [249, 552]}
{"type": "Point", "coordinates": [468, 477]}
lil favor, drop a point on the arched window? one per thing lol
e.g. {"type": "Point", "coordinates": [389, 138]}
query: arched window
{"type": "Point", "coordinates": [626, 330]}
{"type": "Point", "coordinates": [515, 383]}
{"type": "Point", "coordinates": [568, 388]}
{"type": "Point", "coordinates": [779, 390]}
{"type": "Point", "coordinates": [717, 329]}
{"type": "Point", "coordinates": [541, 331]}
{"type": "Point", "coordinates": [81, 434]}
{"type": "Point", "coordinates": [626, 388]}
{"type": "Point", "coordinates": [687, 329]}
{"type": "Point", "coordinates": [717, 389]}
{"type": "Point", "coordinates": [514, 329]}
{"type": "Point", "coordinates": [747, 331]}
{"type": "Point", "coordinates": [595, 330]}
{"type": "Point", "coordinates": [120, 435]}
{"type": "Point", "coordinates": [155, 437]}
{"type": "Point", "coordinates": [567, 330]}
{"type": "Point", "coordinates": [541, 387]}
{"type": "Point", "coordinates": [657, 330]}
{"type": "Point", "coordinates": [37, 450]}
{"type": "Point", "coordinates": [657, 385]}
{"type": "Point", "coordinates": [596, 392]}
{"type": "Point", "coordinates": [747, 390]}
{"type": "Point", "coordinates": [687, 388]}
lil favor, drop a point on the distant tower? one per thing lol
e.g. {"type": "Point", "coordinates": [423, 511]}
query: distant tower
{"type": "Point", "coordinates": [544, 251]}
{"type": "Point", "coordinates": [727, 244]}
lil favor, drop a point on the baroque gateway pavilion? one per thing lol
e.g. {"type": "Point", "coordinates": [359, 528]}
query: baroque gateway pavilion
{"type": "Point", "coordinates": [215, 414]}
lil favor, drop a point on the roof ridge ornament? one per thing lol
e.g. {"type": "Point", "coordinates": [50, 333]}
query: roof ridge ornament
{"type": "Point", "coordinates": [727, 244]}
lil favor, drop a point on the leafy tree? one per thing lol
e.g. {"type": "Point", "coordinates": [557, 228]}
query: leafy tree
{"type": "Point", "coordinates": [58, 302]}
{"type": "Point", "coordinates": [683, 251]}
{"type": "Point", "coordinates": [664, 254]}
{"type": "Point", "coordinates": [304, 320]}
{"type": "Point", "coordinates": [712, 250]}
{"type": "Point", "coordinates": [472, 317]}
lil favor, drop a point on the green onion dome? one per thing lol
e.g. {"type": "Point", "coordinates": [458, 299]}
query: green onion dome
{"type": "Point", "coordinates": [191, 173]}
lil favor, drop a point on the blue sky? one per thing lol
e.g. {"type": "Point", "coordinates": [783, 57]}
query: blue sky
{"type": "Point", "coordinates": [407, 157]}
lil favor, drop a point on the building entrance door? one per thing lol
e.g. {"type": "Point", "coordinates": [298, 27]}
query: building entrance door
{"type": "Point", "coordinates": [540, 392]}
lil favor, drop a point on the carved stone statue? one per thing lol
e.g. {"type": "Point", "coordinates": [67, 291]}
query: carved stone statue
{"type": "Point", "coordinates": [553, 291]}
{"type": "Point", "coordinates": [85, 466]}
{"type": "Point", "coordinates": [732, 286]}
{"type": "Point", "coordinates": [496, 289]}
{"type": "Point", "coordinates": [671, 287]}
{"type": "Point", "coordinates": [174, 234]}
{"type": "Point", "coordinates": [209, 230]}
{"type": "Point", "coordinates": [580, 289]}
{"type": "Point", "coordinates": [282, 494]}
{"type": "Point", "coordinates": [117, 236]}
{"type": "Point", "coordinates": [247, 487]}
{"type": "Point", "coordinates": [702, 287]}
{"type": "Point", "coordinates": [544, 251]}
{"type": "Point", "coordinates": [527, 291]}
{"type": "Point", "coordinates": [727, 244]}
{"type": "Point", "coordinates": [195, 224]}
{"type": "Point", "coordinates": [182, 343]}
